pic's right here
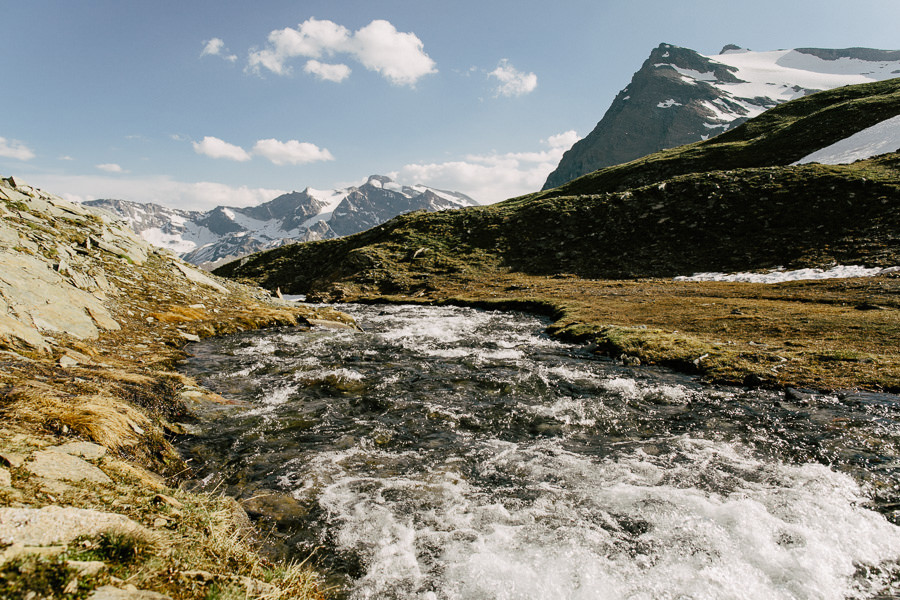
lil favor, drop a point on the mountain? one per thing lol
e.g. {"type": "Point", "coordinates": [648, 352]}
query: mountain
{"type": "Point", "coordinates": [225, 233]}
{"type": "Point", "coordinates": [730, 203]}
{"type": "Point", "coordinates": [680, 96]}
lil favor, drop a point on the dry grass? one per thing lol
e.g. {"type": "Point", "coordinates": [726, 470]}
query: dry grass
{"type": "Point", "coordinates": [104, 420]}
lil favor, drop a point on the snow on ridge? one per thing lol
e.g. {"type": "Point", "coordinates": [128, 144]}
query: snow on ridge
{"type": "Point", "coordinates": [779, 275]}
{"type": "Point", "coordinates": [878, 139]}
{"type": "Point", "coordinates": [694, 75]}
{"type": "Point", "coordinates": [669, 103]}
{"type": "Point", "coordinates": [784, 75]}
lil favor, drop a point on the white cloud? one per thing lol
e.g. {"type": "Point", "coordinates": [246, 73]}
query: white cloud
{"type": "Point", "coordinates": [397, 56]}
{"type": "Point", "coordinates": [564, 140]}
{"type": "Point", "coordinates": [511, 81]}
{"type": "Point", "coordinates": [111, 168]}
{"type": "Point", "coordinates": [216, 47]}
{"type": "Point", "coordinates": [327, 72]}
{"type": "Point", "coordinates": [291, 152]}
{"type": "Point", "coordinates": [216, 148]}
{"type": "Point", "coordinates": [489, 178]}
{"type": "Point", "coordinates": [15, 149]}
{"type": "Point", "coordinates": [201, 195]}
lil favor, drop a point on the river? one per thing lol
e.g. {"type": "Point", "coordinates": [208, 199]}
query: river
{"type": "Point", "coordinates": [452, 453]}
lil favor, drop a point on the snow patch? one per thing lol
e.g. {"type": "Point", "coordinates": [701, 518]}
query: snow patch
{"type": "Point", "coordinates": [878, 139]}
{"type": "Point", "coordinates": [780, 275]}
{"type": "Point", "coordinates": [669, 103]}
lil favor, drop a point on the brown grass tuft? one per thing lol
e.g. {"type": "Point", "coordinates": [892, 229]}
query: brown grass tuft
{"type": "Point", "coordinates": [101, 419]}
{"type": "Point", "coordinates": [180, 314]}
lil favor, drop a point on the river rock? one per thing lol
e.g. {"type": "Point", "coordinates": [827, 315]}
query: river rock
{"type": "Point", "coordinates": [57, 525]}
{"type": "Point", "coordinates": [280, 508]}
{"type": "Point", "coordinates": [61, 466]}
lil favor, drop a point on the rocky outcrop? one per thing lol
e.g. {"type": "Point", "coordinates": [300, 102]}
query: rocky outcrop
{"type": "Point", "coordinates": [52, 278]}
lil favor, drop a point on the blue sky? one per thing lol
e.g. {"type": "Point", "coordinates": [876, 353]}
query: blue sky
{"type": "Point", "coordinates": [199, 103]}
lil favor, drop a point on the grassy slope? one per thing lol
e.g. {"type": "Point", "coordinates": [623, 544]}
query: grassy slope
{"type": "Point", "coordinates": [726, 204]}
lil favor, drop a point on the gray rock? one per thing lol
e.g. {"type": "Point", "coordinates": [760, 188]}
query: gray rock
{"type": "Point", "coordinates": [57, 525]}
{"type": "Point", "coordinates": [108, 592]}
{"type": "Point", "coordinates": [197, 277]}
{"type": "Point", "coordinates": [86, 450]}
{"type": "Point", "coordinates": [65, 467]}
{"type": "Point", "coordinates": [67, 362]}
{"type": "Point", "coordinates": [45, 301]}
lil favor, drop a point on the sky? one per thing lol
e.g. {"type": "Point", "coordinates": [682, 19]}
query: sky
{"type": "Point", "coordinates": [198, 103]}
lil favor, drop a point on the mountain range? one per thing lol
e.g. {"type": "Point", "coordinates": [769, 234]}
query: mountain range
{"type": "Point", "coordinates": [224, 233]}
{"type": "Point", "coordinates": [680, 96]}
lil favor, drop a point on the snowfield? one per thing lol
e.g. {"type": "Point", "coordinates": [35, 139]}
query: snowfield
{"type": "Point", "coordinates": [780, 275]}
{"type": "Point", "coordinates": [878, 139]}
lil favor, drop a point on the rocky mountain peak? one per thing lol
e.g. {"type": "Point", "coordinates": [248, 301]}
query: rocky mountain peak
{"type": "Point", "coordinates": [680, 96]}
{"type": "Point", "coordinates": [224, 233]}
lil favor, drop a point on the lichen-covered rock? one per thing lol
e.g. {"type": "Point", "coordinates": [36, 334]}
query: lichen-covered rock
{"type": "Point", "coordinates": [61, 466]}
{"type": "Point", "coordinates": [57, 525]}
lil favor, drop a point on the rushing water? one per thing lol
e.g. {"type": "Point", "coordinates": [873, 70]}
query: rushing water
{"type": "Point", "coordinates": [448, 453]}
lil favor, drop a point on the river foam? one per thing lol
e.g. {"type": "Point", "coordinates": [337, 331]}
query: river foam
{"type": "Point", "coordinates": [451, 454]}
{"type": "Point", "coordinates": [704, 520]}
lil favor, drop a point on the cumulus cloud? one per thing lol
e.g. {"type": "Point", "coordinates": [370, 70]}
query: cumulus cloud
{"type": "Point", "coordinates": [512, 82]}
{"type": "Point", "coordinates": [489, 178]}
{"type": "Point", "coordinates": [399, 57]}
{"type": "Point", "coordinates": [15, 149]}
{"type": "Point", "coordinates": [291, 152]}
{"type": "Point", "coordinates": [111, 168]}
{"type": "Point", "coordinates": [216, 148]}
{"type": "Point", "coordinates": [201, 195]}
{"type": "Point", "coordinates": [216, 47]}
{"type": "Point", "coordinates": [327, 72]}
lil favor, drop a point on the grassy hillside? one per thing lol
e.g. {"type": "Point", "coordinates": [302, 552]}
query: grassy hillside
{"type": "Point", "coordinates": [716, 221]}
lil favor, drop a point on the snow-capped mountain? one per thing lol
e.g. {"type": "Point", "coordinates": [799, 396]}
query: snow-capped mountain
{"type": "Point", "coordinates": [224, 233]}
{"type": "Point", "coordinates": [680, 96]}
